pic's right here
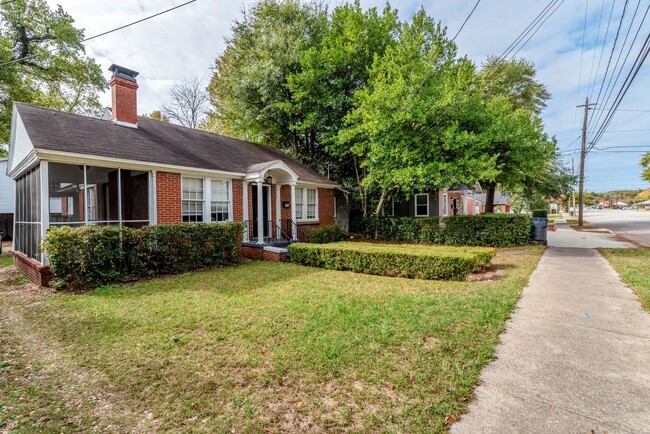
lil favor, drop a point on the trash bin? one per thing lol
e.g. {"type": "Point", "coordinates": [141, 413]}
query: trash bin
{"type": "Point", "coordinates": [539, 229]}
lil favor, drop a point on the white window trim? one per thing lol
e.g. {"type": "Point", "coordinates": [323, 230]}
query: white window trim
{"type": "Point", "coordinates": [415, 203]}
{"type": "Point", "coordinates": [304, 204]}
{"type": "Point", "coordinates": [445, 204]}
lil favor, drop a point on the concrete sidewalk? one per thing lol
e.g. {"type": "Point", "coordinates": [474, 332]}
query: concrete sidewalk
{"type": "Point", "coordinates": [574, 358]}
{"type": "Point", "coordinates": [566, 236]}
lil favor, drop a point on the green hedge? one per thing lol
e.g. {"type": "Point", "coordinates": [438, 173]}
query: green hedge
{"type": "Point", "coordinates": [496, 230]}
{"type": "Point", "coordinates": [395, 260]}
{"type": "Point", "coordinates": [326, 234]}
{"type": "Point", "coordinates": [493, 230]}
{"type": "Point", "coordinates": [90, 256]}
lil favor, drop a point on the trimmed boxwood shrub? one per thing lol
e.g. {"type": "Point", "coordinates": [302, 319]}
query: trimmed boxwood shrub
{"type": "Point", "coordinates": [492, 230]}
{"type": "Point", "coordinates": [497, 230]}
{"type": "Point", "coordinates": [326, 234]}
{"type": "Point", "coordinates": [395, 260]}
{"type": "Point", "coordinates": [405, 229]}
{"type": "Point", "coordinates": [90, 256]}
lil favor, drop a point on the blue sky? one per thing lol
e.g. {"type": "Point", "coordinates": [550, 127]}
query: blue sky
{"type": "Point", "coordinates": [185, 42]}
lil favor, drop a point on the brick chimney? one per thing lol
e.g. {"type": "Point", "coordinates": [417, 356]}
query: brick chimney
{"type": "Point", "coordinates": [124, 91]}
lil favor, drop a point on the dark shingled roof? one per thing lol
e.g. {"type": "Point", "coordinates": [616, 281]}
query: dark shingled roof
{"type": "Point", "coordinates": [499, 198]}
{"type": "Point", "coordinates": [152, 142]}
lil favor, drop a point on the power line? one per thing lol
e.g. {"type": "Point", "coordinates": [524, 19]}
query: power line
{"type": "Point", "coordinates": [7, 2]}
{"type": "Point", "coordinates": [538, 27]}
{"type": "Point", "coordinates": [602, 50]}
{"type": "Point", "coordinates": [611, 86]}
{"type": "Point", "coordinates": [611, 55]}
{"type": "Point", "coordinates": [466, 20]}
{"type": "Point", "coordinates": [101, 34]}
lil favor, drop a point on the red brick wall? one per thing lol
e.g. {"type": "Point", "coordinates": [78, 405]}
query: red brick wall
{"type": "Point", "coordinates": [37, 273]}
{"type": "Point", "coordinates": [168, 197]}
{"type": "Point", "coordinates": [125, 100]}
{"type": "Point", "coordinates": [252, 252]}
{"type": "Point", "coordinates": [325, 206]}
{"type": "Point", "coordinates": [237, 200]}
{"type": "Point", "coordinates": [285, 196]}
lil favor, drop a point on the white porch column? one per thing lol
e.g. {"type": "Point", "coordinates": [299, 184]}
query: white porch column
{"type": "Point", "coordinates": [278, 207]}
{"type": "Point", "coordinates": [260, 212]}
{"type": "Point", "coordinates": [294, 229]}
{"type": "Point", "coordinates": [244, 198]}
{"type": "Point", "coordinates": [45, 205]}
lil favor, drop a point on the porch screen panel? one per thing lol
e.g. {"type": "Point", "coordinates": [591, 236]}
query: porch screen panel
{"type": "Point", "coordinates": [135, 198]}
{"type": "Point", "coordinates": [102, 207]}
{"type": "Point", "coordinates": [66, 194]}
{"type": "Point", "coordinates": [28, 213]}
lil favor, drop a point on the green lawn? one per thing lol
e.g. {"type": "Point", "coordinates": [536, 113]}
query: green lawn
{"type": "Point", "coordinates": [262, 347]}
{"type": "Point", "coordinates": [6, 259]}
{"type": "Point", "coordinates": [634, 267]}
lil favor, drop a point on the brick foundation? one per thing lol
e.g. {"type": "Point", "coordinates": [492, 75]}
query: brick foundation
{"type": "Point", "coordinates": [34, 270]}
{"type": "Point", "coordinates": [252, 252]}
{"type": "Point", "coordinates": [276, 256]}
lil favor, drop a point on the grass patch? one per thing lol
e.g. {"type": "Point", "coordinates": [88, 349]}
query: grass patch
{"type": "Point", "coordinates": [397, 260]}
{"type": "Point", "coordinates": [6, 260]}
{"type": "Point", "coordinates": [634, 267]}
{"type": "Point", "coordinates": [263, 347]}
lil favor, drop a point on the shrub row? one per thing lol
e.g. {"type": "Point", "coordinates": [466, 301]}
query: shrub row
{"type": "Point", "coordinates": [326, 234]}
{"type": "Point", "coordinates": [419, 262]}
{"type": "Point", "coordinates": [494, 230]}
{"type": "Point", "coordinates": [91, 256]}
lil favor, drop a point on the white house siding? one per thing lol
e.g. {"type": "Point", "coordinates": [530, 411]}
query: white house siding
{"type": "Point", "coordinates": [7, 189]}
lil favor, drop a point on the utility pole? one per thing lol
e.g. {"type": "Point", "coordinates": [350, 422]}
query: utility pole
{"type": "Point", "coordinates": [583, 154]}
{"type": "Point", "coordinates": [573, 190]}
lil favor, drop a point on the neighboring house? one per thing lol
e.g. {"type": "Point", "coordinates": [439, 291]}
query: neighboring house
{"type": "Point", "coordinates": [134, 171]}
{"type": "Point", "coordinates": [643, 205]}
{"type": "Point", "coordinates": [501, 203]}
{"type": "Point", "coordinates": [6, 200]}
{"type": "Point", "coordinates": [459, 200]}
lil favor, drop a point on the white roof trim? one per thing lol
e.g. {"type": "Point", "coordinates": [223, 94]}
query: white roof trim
{"type": "Point", "coordinates": [260, 169]}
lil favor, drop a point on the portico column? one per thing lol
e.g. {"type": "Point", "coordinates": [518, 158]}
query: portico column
{"type": "Point", "coordinates": [294, 229]}
{"type": "Point", "coordinates": [244, 196]}
{"type": "Point", "coordinates": [260, 212]}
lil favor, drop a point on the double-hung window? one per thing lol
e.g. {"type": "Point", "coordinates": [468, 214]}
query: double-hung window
{"type": "Point", "coordinates": [445, 204]}
{"type": "Point", "coordinates": [306, 204]}
{"type": "Point", "coordinates": [422, 205]}
{"type": "Point", "coordinates": [311, 203]}
{"type": "Point", "coordinates": [192, 201]}
{"type": "Point", "coordinates": [299, 203]}
{"type": "Point", "coordinates": [220, 201]}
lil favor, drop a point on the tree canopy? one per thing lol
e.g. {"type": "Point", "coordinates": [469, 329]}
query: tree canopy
{"type": "Point", "coordinates": [44, 62]}
{"type": "Point", "coordinates": [645, 163]}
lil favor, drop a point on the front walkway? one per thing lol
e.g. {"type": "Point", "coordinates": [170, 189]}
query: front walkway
{"type": "Point", "coordinates": [575, 356]}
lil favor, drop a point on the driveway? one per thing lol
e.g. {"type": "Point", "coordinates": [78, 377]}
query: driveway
{"type": "Point", "coordinates": [633, 225]}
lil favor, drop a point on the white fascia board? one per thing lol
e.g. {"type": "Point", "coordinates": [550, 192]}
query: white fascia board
{"type": "Point", "coordinates": [21, 149]}
{"type": "Point", "coordinates": [317, 184]}
{"type": "Point", "coordinates": [100, 161]}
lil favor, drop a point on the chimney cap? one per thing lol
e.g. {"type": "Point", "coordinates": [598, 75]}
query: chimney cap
{"type": "Point", "coordinates": [125, 73]}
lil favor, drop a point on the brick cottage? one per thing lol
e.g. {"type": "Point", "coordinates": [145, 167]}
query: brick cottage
{"type": "Point", "coordinates": [132, 171]}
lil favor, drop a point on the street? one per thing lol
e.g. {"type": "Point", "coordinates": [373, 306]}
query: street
{"type": "Point", "coordinates": [633, 225]}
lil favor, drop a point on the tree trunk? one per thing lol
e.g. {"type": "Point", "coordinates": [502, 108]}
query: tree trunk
{"type": "Point", "coordinates": [380, 205]}
{"type": "Point", "coordinates": [489, 197]}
